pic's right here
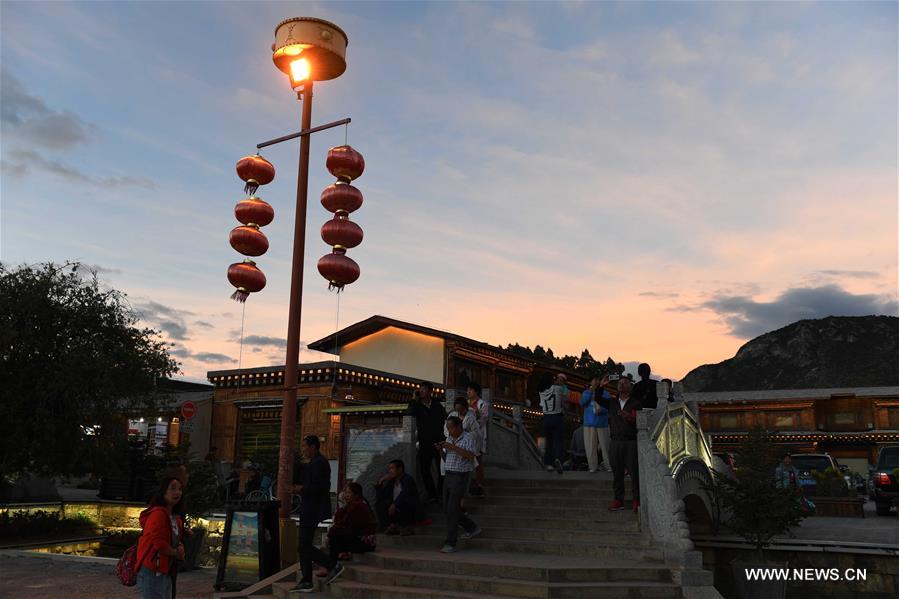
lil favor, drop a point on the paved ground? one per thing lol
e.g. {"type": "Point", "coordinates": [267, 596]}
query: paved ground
{"type": "Point", "coordinates": [870, 529]}
{"type": "Point", "coordinates": [57, 577]}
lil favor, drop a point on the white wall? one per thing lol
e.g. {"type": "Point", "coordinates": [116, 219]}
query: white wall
{"type": "Point", "coordinates": [398, 351]}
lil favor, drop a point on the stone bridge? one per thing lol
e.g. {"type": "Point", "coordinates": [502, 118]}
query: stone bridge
{"type": "Point", "coordinates": [676, 465]}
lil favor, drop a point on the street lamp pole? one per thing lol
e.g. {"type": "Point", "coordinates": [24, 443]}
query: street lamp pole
{"type": "Point", "coordinates": [294, 317]}
{"type": "Point", "coordinates": [306, 49]}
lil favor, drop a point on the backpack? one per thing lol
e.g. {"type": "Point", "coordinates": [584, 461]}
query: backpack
{"type": "Point", "coordinates": [128, 565]}
{"type": "Point", "coordinates": [125, 568]}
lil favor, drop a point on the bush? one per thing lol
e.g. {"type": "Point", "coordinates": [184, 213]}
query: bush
{"type": "Point", "coordinates": [19, 525]}
{"type": "Point", "coordinates": [830, 483]}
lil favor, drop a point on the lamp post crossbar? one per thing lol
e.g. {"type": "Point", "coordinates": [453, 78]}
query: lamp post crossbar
{"type": "Point", "coordinates": [278, 140]}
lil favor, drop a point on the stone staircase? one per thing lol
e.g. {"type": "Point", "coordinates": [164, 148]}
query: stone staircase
{"type": "Point", "coordinates": [545, 536]}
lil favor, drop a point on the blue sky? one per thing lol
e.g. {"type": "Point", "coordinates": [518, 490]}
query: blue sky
{"type": "Point", "coordinates": [654, 181]}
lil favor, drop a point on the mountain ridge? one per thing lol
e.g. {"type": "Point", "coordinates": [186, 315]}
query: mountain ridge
{"type": "Point", "coordinates": [831, 352]}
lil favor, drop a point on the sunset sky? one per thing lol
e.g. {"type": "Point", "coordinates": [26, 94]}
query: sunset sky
{"type": "Point", "coordinates": [656, 182]}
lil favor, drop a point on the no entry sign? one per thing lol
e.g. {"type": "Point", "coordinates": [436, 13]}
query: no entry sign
{"type": "Point", "coordinates": [188, 410]}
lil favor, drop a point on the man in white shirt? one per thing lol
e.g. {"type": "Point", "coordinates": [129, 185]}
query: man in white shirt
{"type": "Point", "coordinates": [459, 451]}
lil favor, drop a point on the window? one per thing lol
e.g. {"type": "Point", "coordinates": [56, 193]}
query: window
{"type": "Point", "coordinates": [844, 418]}
{"type": "Point", "coordinates": [728, 421]}
{"type": "Point", "coordinates": [783, 420]}
{"type": "Point", "coordinates": [503, 385]}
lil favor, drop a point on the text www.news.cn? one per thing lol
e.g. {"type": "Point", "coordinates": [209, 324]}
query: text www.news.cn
{"type": "Point", "coordinates": [807, 574]}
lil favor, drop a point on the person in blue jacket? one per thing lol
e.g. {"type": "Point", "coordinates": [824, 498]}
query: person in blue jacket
{"type": "Point", "coordinates": [596, 427]}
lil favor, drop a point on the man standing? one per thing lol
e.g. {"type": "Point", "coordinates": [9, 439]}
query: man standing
{"type": "Point", "coordinates": [397, 502]}
{"type": "Point", "coordinates": [623, 425]}
{"type": "Point", "coordinates": [482, 411]}
{"type": "Point", "coordinates": [429, 418]}
{"type": "Point", "coordinates": [645, 391]}
{"type": "Point", "coordinates": [459, 452]}
{"type": "Point", "coordinates": [553, 395]}
{"type": "Point", "coordinates": [596, 427]}
{"type": "Point", "coordinates": [315, 490]}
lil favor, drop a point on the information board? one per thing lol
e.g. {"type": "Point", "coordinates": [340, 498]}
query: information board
{"type": "Point", "coordinates": [363, 444]}
{"type": "Point", "coordinates": [242, 565]}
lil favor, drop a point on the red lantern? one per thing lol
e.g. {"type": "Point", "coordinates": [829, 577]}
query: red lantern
{"type": "Point", "coordinates": [256, 171]}
{"type": "Point", "coordinates": [254, 211]}
{"type": "Point", "coordinates": [338, 269]}
{"type": "Point", "coordinates": [247, 278]}
{"type": "Point", "coordinates": [248, 240]}
{"type": "Point", "coordinates": [342, 232]}
{"type": "Point", "coordinates": [345, 163]}
{"type": "Point", "coordinates": [341, 197]}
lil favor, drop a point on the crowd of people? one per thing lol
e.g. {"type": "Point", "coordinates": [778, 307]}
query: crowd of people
{"type": "Point", "coordinates": [451, 455]}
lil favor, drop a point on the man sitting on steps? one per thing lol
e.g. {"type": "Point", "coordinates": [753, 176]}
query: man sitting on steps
{"type": "Point", "coordinates": [397, 502]}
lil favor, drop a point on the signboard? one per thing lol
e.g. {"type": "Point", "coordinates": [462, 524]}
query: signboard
{"type": "Point", "coordinates": [188, 410]}
{"type": "Point", "coordinates": [187, 426]}
{"type": "Point", "coordinates": [364, 444]}
{"type": "Point", "coordinates": [137, 428]}
{"type": "Point", "coordinates": [242, 561]}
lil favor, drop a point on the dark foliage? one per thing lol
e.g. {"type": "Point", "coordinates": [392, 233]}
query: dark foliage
{"type": "Point", "coordinates": [19, 525]}
{"type": "Point", "coordinates": [584, 365]}
{"type": "Point", "coordinates": [72, 363]}
{"type": "Point", "coordinates": [751, 505]}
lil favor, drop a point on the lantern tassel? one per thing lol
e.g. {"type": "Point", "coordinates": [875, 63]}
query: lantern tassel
{"type": "Point", "coordinates": [332, 287]}
{"type": "Point", "coordinates": [240, 296]}
{"type": "Point", "coordinates": [251, 187]}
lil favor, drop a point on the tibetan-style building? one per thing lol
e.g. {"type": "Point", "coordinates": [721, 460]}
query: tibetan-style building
{"type": "Point", "coordinates": [382, 361]}
{"type": "Point", "coordinates": [850, 424]}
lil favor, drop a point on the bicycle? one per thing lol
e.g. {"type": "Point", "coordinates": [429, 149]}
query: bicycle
{"type": "Point", "coordinates": [268, 491]}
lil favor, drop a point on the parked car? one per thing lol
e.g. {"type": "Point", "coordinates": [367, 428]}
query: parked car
{"type": "Point", "coordinates": [806, 463]}
{"type": "Point", "coordinates": [884, 487]}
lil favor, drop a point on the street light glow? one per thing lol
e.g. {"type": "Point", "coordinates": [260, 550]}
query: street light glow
{"type": "Point", "coordinates": [300, 70]}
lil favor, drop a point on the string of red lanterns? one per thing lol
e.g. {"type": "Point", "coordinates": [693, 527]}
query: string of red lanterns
{"type": "Point", "coordinates": [340, 232]}
{"type": "Point", "coordinates": [247, 239]}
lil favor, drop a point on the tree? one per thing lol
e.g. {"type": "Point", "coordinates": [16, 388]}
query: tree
{"type": "Point", "coordinates": [752, 506]}
{"type": "Point", "coordinates": [71, 357]}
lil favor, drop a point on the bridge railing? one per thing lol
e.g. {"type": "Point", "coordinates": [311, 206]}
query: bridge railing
{"type": "Point", "coordinates": [670, 442]}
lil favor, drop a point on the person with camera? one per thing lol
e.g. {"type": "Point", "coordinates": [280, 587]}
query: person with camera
{"type": "Point", "coordinates": [429, 418]}
{"type": "Point", "coordinates": [459, 450]}
{"type": "Point", "coordinates": [596, 427]}
{"type": "Point", "coordinates": [623, 448]}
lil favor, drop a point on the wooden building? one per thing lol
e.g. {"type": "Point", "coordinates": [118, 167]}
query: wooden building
{"type": "Point", "coordinates": [850, 424]}
{"type": "Point", "coordinates": [451, 361]}
{"type": "Point", "coordinates": [246, 418]}
{"type": "Point", "coordinates": [382, 361]}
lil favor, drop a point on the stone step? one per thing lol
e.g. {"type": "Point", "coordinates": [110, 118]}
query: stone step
{"type": "Point", "coordinates": [584, 492]}
{"type": "Point", "coordinates": [355, 590]}
{"type": "Point", "coordinates": [591, 522]}
{"type": "Point", "coordinates": [514, 566]}
{"type": "Point", "coordinates": [599, 512]}
{"type": "Point", "coordinates": [559, 501]}
{"type": "Point", "coordinates": [630, 539]}
{"type": "Point", "coordinates": [467, 582]}
{"type": "Point", "coordinates": [601, 549]}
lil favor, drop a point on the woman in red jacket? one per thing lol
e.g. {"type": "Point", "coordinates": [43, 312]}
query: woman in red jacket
{"type": "Point", "coordinates": [160, 542]}
{"type": "Point", "coordinates": [354, 525]}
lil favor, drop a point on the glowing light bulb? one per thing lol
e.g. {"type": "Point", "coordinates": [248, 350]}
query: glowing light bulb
{"type": "Point", "coordinates": [300, 70]}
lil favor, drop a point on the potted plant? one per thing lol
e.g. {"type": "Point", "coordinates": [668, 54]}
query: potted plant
{"type": "Point", "coordinates": [754, 508]}
{"type": "Point", "coordinates": [833, 497]}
